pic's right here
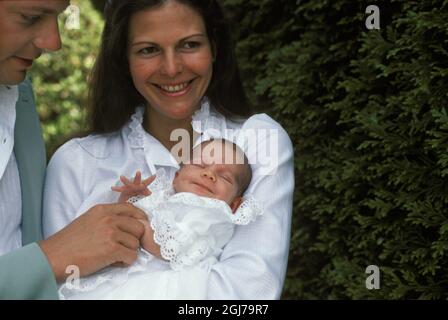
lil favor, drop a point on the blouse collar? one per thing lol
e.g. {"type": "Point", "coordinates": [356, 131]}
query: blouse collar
{"type": "Point", "coordinates": [136, 131]}
{"type": "Point", "coordinates": [206, 121]}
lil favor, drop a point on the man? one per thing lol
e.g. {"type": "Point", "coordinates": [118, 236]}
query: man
{"type": "Point", "coordinates": [106, 234]}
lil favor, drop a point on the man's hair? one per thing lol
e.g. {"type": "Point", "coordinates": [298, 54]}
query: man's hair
{"type": "Point", "coordinates": [112, 95]}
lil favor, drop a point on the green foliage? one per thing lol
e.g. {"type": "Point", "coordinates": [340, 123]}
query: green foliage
{"type": "Point", "coordinates": [367, 111]}
{"type": "Point", "coordinates": [60, 78]}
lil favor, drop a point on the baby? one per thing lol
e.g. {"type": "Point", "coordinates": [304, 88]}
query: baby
{"type": "Point", "coordinates": [219, 169]}
{"type": "Point", "coordinates": [191, 220]}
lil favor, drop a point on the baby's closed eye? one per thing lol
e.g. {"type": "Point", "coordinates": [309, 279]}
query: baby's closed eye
{"type": "Point", "coordinates": [226, 178]}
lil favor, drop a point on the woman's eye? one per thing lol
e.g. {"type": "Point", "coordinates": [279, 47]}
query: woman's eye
{"type": "Point", "coordinates": [148, 50]}
{"type": "Point", "coordinates": [30, 19]}
{"type": "Point", "coordinates": [191, 45]}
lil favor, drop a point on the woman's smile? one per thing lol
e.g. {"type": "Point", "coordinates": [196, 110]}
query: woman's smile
{"type": "Point", "coordinates": [175, 90]}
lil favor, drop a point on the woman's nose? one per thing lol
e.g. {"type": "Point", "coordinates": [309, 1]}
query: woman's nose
{"type": "Point", "coordinates": [171, 65]}
{"type": "Point", "coordinates": [208, 175]}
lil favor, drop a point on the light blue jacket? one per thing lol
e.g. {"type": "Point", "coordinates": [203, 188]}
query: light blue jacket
{"type": "Point", "coordinates": [26, 273]}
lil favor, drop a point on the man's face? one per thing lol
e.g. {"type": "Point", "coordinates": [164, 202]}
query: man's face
{"type": "Point", "coordinates": [28, 27]}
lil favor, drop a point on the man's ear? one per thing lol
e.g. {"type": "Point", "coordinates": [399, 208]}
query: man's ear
{"type": "Point", "coordinates": [236, 203]}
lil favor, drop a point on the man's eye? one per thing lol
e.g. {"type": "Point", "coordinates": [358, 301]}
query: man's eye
{"type": "Point", "coordinates": [30, 19]}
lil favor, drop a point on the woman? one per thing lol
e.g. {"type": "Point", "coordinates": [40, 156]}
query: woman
{"type": "Point", "coordinates": [165, 66]}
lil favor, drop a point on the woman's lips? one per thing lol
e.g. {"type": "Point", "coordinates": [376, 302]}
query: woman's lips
{"type": "Point", "coordinates": [176, 90]}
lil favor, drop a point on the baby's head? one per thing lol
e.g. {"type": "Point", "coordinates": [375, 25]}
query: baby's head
{"type": "Point", "coordinates": [219, 169]}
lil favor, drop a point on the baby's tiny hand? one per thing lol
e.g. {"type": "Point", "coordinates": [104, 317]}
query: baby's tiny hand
{"type": "Point", "coordinates": [137, 187]}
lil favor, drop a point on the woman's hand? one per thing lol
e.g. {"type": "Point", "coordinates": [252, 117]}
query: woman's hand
{"type": "Point", "coordinates": [137, 187]}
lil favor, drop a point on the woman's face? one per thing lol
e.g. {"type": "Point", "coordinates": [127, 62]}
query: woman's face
{"type": "Point", "coordinates": [170, 59]}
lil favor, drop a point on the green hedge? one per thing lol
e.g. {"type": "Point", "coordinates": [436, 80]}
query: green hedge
{"type": "Point", "coordinates": [367, 111]}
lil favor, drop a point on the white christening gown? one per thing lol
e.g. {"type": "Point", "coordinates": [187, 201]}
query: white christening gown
{"type": "Point", "coordinates": [191, 231]}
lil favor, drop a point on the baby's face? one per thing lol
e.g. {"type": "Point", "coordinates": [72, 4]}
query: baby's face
{"type": "Point", "coordinates": [210, 176]}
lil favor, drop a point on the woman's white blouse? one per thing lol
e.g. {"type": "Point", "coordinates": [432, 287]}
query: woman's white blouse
{"type": "Point", "coordinates": [253, 264]}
